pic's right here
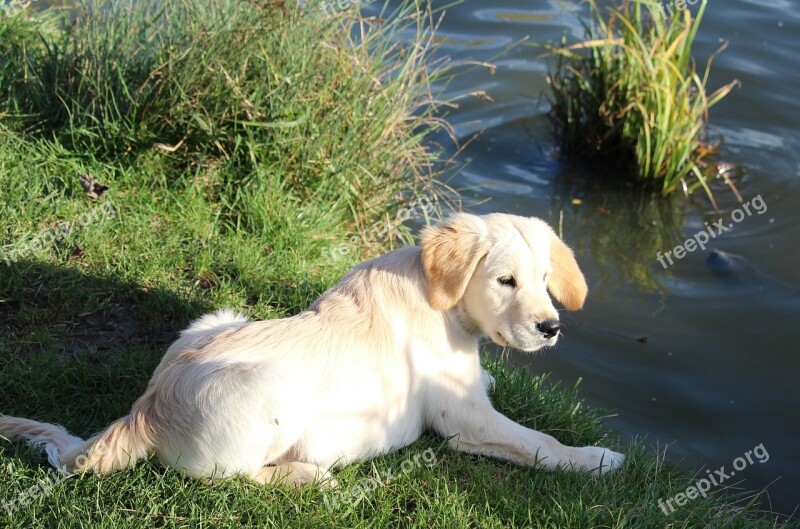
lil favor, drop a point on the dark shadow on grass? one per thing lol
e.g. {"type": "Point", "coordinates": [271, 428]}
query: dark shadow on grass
{"type": "Point", "coordinates": [79, 348]}
{"type": "Point", "coordinates": [67, 311]}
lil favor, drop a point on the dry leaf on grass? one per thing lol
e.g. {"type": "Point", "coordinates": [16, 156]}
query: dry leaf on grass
{"type": "Point", "coordinates": [91, 187]}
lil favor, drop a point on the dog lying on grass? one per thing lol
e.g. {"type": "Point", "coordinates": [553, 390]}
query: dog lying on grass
{"type": "Point", "coordinates": [390, 351]}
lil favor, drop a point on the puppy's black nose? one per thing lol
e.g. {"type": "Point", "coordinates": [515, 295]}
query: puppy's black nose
{"type": "Point", "coordinates": [549, 328]}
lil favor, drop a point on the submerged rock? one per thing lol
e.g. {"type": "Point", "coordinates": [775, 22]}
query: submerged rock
{"type": "Point", "coordinates": [730, 265]}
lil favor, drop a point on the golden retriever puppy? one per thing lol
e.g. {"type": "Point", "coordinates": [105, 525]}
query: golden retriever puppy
{"type": "Point", "coordinates": [388, 352]}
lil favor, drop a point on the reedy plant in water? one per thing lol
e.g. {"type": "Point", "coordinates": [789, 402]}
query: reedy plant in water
{"type": "Point", "coordinates": [632, 90]}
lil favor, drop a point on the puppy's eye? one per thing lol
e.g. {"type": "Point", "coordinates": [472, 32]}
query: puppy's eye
{"type": "Point", "coordinates": [546, 277]}
{"type": "Point", "coordinates": [508, 281]}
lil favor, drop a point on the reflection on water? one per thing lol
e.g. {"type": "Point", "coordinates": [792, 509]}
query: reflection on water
{"type": "Point", "coordinates": [623, 230]}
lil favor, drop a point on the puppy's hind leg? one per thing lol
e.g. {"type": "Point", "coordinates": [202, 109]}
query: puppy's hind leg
{"type": "Point", "coordinates": [295, 474]}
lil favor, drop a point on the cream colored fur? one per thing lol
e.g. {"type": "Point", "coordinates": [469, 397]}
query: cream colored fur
{"type": "Point", "coordinates": [388, 352]}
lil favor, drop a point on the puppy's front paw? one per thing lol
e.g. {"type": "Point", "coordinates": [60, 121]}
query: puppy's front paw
{"type": "Point", "coordinates": [600, 460]}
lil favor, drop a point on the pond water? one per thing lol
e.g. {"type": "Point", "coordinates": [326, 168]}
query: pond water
{"type": "Point", "coordinates": [719, 372]}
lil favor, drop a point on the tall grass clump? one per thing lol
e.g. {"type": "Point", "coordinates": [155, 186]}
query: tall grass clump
{"type": "Point", "coordinates": [253, 101]}
{"type": "Point", "coordinates": [632, 91]}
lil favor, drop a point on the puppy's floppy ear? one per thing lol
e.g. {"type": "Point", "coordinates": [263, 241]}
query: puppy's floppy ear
{"type": "Point", "coordinates": [450, 253]}
{"type": "Point", "coordinates": [566, 282]}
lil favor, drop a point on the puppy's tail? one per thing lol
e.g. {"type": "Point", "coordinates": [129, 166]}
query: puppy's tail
{"type": "Point", "coordinates": [122, 444]}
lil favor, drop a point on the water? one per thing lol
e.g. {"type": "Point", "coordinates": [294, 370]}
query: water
{"type": "Point", "coordinates": [718, 374]}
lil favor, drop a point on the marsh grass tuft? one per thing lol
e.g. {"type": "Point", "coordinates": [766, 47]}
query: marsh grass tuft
{"type": "Point", "coordinates": [632, 91]}
{"type": "Point", "coordinates": [240, 97]}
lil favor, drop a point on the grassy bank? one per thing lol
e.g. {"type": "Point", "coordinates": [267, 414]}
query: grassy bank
{"type": "Point", "coordinates": [153, 167]}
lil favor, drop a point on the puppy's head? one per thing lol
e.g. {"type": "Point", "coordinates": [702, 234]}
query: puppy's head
{"type": "Point", "coordinates": [498, 269]}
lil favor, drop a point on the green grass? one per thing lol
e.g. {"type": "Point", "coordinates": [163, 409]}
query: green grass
{"type": "Point", "coordinates": [631, 92]}
{"type": "Point", "coordinates": [456, 490]}
{"type": "Point", "coordinates": [287, 146]}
